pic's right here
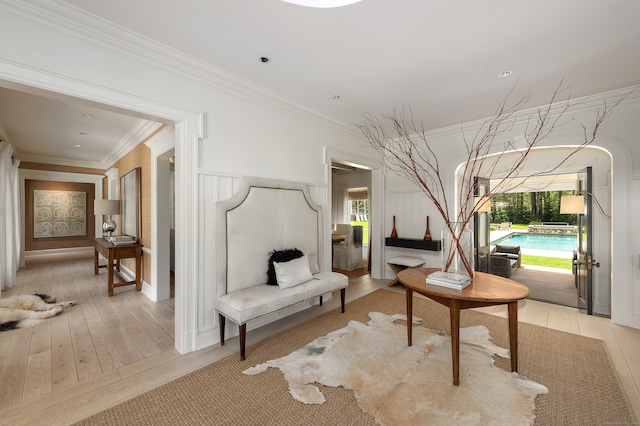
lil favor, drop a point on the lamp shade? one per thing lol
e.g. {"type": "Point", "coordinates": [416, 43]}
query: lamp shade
{"type": "Point", "coordinates": [322, 3]}
{"type": "Point", "coordinates": [482, 205]}
{"type": "Point", "coordinates": [104, 207]}
{"type": "Point", "coordinates": [572, 204]}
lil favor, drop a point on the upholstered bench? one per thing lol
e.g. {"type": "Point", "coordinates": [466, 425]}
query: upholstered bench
{"type": "Point", "coordinates": [400, 263]}
{"type": "Point", "coordinates": [263, 221]}
{"type": "Point", "coordinates": [242, 306]}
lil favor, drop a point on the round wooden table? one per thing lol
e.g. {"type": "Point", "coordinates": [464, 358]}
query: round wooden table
{"type": "Point", "coordinates": [484, 290]}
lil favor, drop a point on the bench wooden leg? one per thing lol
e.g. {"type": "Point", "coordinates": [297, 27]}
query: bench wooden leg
{"type": "Point", "coordinates": [221, 320]}
{"type": "Point", "coordinates": [342, 294]}
{"type": "Point", "coordinates": [320, 300]}
{"type": "Point", "coordinates": [243, 339]}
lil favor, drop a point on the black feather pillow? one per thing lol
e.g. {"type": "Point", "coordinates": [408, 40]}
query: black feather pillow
{"type": "Point", "coordinates": [280, 256]}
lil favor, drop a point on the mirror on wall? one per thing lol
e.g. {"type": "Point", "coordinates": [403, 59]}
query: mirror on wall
{"type": "Point", "coordinates": [130, 203]}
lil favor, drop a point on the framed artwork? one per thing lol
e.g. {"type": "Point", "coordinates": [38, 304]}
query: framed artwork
{"type": "Point", "coordinates": [59, 213]}
{"type": "Point", "coordinates": [130, 203]}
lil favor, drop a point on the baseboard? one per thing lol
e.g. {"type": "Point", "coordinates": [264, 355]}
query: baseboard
{"type": "Point", "coordinates": [58, 254]}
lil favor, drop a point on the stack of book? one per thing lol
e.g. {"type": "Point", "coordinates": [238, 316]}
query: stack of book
{"type": "Point", "coordinates": [449, 280]}
{"type": "Point", "coordinates": [120, 239]}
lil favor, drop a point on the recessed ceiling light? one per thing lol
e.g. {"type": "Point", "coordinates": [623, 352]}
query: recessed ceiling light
{"type": "Point", "coordinates": [335, 97]}
{"type": "Point", "coordinates": [505, 74]}
{"type": "Point", "coordinates": [78, 145]}
{"type": "Point", "coordinates": [322, 3]}
{"type": "Point", "coordinates": [87, 115]}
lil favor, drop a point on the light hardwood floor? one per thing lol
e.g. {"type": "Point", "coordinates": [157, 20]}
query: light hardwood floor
{"type": "Point", "coordinates": [106, 350]}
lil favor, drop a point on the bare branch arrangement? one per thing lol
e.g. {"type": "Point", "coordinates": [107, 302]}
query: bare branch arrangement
{"type": "Point", "coordinates": [407, 151]}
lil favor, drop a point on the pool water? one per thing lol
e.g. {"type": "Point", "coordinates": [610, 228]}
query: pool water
{"type": "Point", "coordinates": [566, 243]}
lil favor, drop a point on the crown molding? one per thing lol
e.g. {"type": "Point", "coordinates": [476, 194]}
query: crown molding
{"type": "Point", "coordinates": [139, 133]}
{"type": "Point", "coordinates": [55, 15]}
{"type": "Point", "coordinates": [111, 174]}
{"type": "Point", "coordinates": [575, 106]}
{"type": "Point", "coordinates": [59, 161]}
{"type": "Point", "coordinates": [162, 141]}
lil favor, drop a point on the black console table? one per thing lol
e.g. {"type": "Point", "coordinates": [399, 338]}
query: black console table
{"type": "Point", "coordinates": [414, 243]}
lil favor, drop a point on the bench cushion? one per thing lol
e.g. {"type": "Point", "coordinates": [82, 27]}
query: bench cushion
{"type": "Point", "coordinates": [244, 305]}
{"type": "Point", "coordinates": [323, 283]}
{"type": "Point", "coordinates": [408, 261]}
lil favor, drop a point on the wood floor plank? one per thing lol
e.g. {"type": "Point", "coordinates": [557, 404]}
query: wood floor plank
{"type": "Point", "coordinates": [63, 363]}
{"type": "Point", "coordinates": [153, 330]}
{"type": "Point", "coordinates": [163, 317]}
{"type": "Point", "coordinates": [5, 338]}
{"type": "Point", "coordinates": [38, 372]}
{"type": "Point", "coordinates": [38, 376]}
{"type": "Point", "coordinates": [87, 362]}
{"type": "Point", "coordinates": [127, 349]}
{"type": "Point", "coordinates": [123, 312]}
{"type": "Point", "coordinates": [14, 368]}
{"type": "Point", "coordinates": [97, 400]}
{"type": "Point", "coordinates": [105, 346]}
{"type": "Point", "coordinates": [145, 344]}
{"type": "Point", "coordinates": [43, 405]}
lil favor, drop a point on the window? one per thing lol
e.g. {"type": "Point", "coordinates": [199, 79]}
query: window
{"type": "Point", "coordinates": [359, 204]}
{"type": "Point", "coordinates": [359, 210]}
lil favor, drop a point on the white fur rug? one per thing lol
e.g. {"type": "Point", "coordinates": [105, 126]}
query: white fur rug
{"type": "Point", "coordinates": [28, 310]}
{"type": "Point", "coordinates": [402, 385]}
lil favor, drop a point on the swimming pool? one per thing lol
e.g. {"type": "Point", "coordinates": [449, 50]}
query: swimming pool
{"type": "Point", "coordinates": [565, 243]}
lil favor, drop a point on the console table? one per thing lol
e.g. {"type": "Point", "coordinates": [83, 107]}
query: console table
{"type": "Point", "coordinates": [484, 290]}
{"type": "Point", "coordinates": [114, 253]}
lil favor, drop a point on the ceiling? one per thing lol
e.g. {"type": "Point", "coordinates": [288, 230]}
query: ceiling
{"type": "Point", "coordinates": [441, 59]}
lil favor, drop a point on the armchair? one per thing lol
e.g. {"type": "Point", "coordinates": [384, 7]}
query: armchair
{"type": "Point", "coordinates": [505, 260]}
{"type": "Point", "coordinates": [347, 254]}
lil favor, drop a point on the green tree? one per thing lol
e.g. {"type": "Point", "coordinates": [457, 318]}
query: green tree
{"type": "Point", "coordinates": [527, 207]}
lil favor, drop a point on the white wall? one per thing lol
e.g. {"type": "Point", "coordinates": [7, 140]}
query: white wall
{"type": "Point", "coordinates": [226, 128]}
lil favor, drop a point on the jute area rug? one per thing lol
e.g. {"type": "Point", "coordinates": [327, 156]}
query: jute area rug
{"type": "Point", "coordinates": [583, 386]}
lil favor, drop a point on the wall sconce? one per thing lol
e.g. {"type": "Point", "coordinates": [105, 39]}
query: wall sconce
{"type": "Point", "coordinates": [107, 208]}
{"type": "Point", "coordinates": [572, 204]}
{"type": "Point", "coordinates": [482, 204]}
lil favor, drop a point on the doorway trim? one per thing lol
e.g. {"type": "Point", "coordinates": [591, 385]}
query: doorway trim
{"type": "Point", "coordinates": [621, 274]}
{"type": "Point", "coordinates": [376, 203]}
{"type": "Point", "coordinates": [189, 129]}
{"type": "Point", "coordinates": [160, 144]}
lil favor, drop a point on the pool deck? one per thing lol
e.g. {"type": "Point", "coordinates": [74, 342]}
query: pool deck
{"type": "Point", "coordinates": [496, 235]}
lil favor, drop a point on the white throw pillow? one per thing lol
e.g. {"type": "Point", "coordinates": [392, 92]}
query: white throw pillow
{"type": "Point", "coordinates": [293, 272]}
{"type": "Point", "coordinates": [313, 263]}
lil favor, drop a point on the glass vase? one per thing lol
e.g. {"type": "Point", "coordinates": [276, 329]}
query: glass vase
{"type": "Point", "coordinates": [457, 249]}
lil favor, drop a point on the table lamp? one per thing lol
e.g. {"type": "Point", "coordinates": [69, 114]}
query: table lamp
{"type": "Point", "coordinates": [107, 208]}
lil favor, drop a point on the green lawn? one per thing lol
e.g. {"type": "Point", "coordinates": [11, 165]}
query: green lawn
{"type": "Point", "coordinates": [365, 230]}
{"type": "Point", "coordinates": [549, 262]}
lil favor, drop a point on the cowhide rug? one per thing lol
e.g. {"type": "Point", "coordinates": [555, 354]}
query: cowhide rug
{"type": "Point", "coordinates": [28, 310]}
{"type": "Point", "coordinates": [402, 385]}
